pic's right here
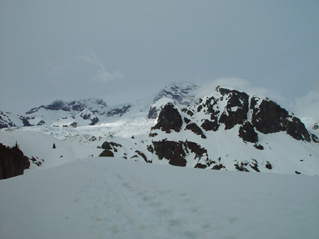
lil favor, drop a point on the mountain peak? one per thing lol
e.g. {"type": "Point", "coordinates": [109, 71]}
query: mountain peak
{"type": "Point", "coordinates": [183, 93]}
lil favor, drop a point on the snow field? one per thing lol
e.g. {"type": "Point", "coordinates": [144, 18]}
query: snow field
{"type": "Point", "coordinates": [115, 198]}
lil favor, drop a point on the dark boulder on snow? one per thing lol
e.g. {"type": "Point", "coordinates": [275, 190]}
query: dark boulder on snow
{"type": "Point", "coordinates": [12, 162]}
{"type": "Point", "coordinates": [107, 153]}
{"type": "Point", "coordinates": [169, 119]}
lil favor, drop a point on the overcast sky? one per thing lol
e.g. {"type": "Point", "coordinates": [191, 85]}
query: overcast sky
{"type": "Point", "coordinates": [121, 51]}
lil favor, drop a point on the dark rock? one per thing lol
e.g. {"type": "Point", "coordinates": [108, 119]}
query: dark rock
{"type": "Point", "coordinates": [106, 145]}
{"type": "Point", "coordinates": [218, 167]}
{"type": "Point", "coordinates": [41, 122]}
{"type": "Point", "coordinates": [172, 151]}
{"type": "Point", "coordinates": [314, 138]}
{"type": "Point", "coordinates": [188, 111]}
{"type": "Point", "coordinates": [57, 105]}
{"type": "Point", "coordinates": [236, 109]}
{"type": "Point", "coordinates": [152, 134]}
{"type": "Point", "coordinates": [25, 121]}
{"type": "Point", "coordinates": [268, 165]}
{"type": "Point", "coordinates": [210, 125]}
{"type": "Point", "coordinates": [150, 148]}
{"type": "Point", "coordinates": [259, 146]}
{"type": "Point", "coordinates": [107, 153]}
{"type": "Point", "coordinates": [269, 117]}
{"type": "Point", "coordinates": [143, 156]}
{"type": "Point", "coordinates": [94, 121]}
{"type": "Point", "coordinates": [196, 149]}
{"type": "Point", "coordinates": [199, 165]}
{"type": "Point", "coordinates": [254, 165]}
{"type": "Point", "coordinates": [115, 144]}
{"type": "Point", "coordinates": [196, 130]}
{"type": "Point", "coordinates": [119, 111]}
{"type": "Point", "coordinates": [241, 167]}
{"type": "Point", "coordinates": [186, 120]}
{"type": "Point", "coordinates": [169, 119]}
{"type": "Point", "coordinates": [247, 133]}
{"type": "Point", "coordinates": [12, 161]}
{"type": "Point", "coordinates": [297, 130]}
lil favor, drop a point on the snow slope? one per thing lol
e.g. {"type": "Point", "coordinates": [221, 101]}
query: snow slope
{"type": "Point", "coordinates": [116, 198]}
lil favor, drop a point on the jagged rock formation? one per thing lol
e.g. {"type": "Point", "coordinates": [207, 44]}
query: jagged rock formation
{"type": "Point", "coordinates": [269, 117]}
{"type": "Point", "coordinates": [169, 119]}
{"type": "Point", "coordinates": [176, 152]}
{"type": "Point", "coordinates": [12, 161]}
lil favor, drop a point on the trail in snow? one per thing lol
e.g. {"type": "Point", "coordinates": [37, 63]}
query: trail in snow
{"type": "Point", "coordinates": [114, 198]}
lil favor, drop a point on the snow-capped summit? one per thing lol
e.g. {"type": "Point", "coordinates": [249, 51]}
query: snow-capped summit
{"type": "Point", "coordinates": [182, 93]}
{"type": "Point", "coordinates": [95, 105]}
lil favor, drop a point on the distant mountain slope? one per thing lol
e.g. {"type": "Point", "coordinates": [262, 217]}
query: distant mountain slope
{"type": "Point", "coordinates": [225, 130]}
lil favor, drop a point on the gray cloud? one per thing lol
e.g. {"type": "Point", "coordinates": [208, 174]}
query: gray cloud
{"type": "Point", "coordinates": [74, 49]}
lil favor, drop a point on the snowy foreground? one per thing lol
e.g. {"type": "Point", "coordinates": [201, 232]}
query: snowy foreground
{"type": "Point", "coordinates": [116, 198]}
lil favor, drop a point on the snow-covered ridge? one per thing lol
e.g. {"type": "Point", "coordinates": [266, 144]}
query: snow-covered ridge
{"type": "Point", "coordinates": [224, 130]}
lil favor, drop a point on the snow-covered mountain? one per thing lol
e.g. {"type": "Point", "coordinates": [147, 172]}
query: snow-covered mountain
{"type": "Point", "coordinates": [224, 130]}
{"type": "Point", "coordinates": [71, 191]}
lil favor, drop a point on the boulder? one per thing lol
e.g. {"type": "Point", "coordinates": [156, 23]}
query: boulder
{"type": "Point", "coordinates": [12, 162]}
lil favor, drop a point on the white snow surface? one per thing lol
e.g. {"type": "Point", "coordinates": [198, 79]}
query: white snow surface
{"type": "Point", "coordinates": [116, 198]}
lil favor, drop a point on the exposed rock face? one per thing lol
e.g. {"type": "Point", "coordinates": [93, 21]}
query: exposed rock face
{"type": "Point", "coordinates": [118, 111]}
{"type": "Point", "coordinates": [196, 130]}
{"type": "Point", "coordinates": [12, 162]}
{"type": "Point", "coordinates": [247, 133]}
{"type": "Point", "coordinates": [236, 109]}
{"type": "Point", "coordinates": [172, 151]}
{"type": "Point", "coordinates": [169, 119]}
{"type": "Point", "coordinates": [269, 117]}
{"type": "Point", "coordinates": [176, 152]}
{"type": "Point", "coordinates": [107, 153]}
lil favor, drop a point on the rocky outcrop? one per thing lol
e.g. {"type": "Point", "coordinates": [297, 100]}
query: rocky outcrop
{"type": "Point", "coordinates": [172, 151]}
{"type": "Point", "coordinates": [118, 112]}
{"type": "Point", "coordinates": [169, 119]}
{"type": "Point", "coordinates": [195, 129]}
{"type": "Point", "coordinates": [247, 133]}
{"type": "Point", "coordinates": [12, 162]}
{"type": "Point", "coordinates": [269, 117]}
{"type": "Point", "coordinates": [106, 153]}
{"type": "Point", "coordinates": [176, 152]}
{"type": "Point", "coordinates": [236, 109]}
